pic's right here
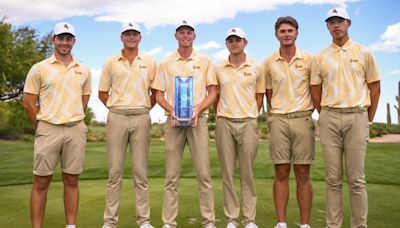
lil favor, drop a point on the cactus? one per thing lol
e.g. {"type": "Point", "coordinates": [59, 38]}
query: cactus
{"type": "Point", "coordinates": [388, 117]}
{"type": "Point", "coordinates": [398, 105]}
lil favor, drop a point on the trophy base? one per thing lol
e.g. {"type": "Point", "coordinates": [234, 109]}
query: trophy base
{"type": "Point", "coordinates": [184, 122]}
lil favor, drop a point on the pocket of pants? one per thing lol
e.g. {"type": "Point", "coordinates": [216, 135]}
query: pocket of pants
{"type": "Point", "coordinates": [310, 121]}
{"type": "Point", "coordinates": [41, 129]}
{"type": "Point", "coordinates": [85, 128]}
{"type": "Point", "coordinates": [320, 117]}
{"type": "Point", "coordinates": [254, 125]}
{"type": "Point", "coordinates": [269, 121]}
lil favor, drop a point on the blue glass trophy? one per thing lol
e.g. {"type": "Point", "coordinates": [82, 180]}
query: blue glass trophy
{"type": "Point", "coordinates": [184, 100]}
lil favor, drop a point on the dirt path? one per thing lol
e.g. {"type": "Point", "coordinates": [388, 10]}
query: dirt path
{"type": "Point", "coordinates": [390, 138]}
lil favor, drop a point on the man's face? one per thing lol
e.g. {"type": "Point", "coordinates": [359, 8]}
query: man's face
{"type": "Point", "coordinates": [286, 34]}
{"type": "Point", "coordinates": [63, 43]}
{"type": "Point", "coordinates": [338, 27]}
{"type": "Point", "coordinates": [185, 36]}
{"type": "Point", "coordinates": [235, 44]}
{"type": "Point", "coordinates": [131, 38]}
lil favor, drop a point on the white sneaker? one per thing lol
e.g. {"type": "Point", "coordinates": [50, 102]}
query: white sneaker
{"type": "Point", "coordinates": [305, 226]}
{"type": "Point", "coordinates": [146, 225]}
{"type": "Point", "coordinates": [210, 226]}
{"type": "Point", "coordinates": [251, 225]}
{"type": "Point", "coordinates": [105, 227]}
{"type": "Point", "coordinates": [166, 226]}
{"type": "Point", "coordinates": [231, 225]}
{"type": "Point", "coordinates": [281, 226]}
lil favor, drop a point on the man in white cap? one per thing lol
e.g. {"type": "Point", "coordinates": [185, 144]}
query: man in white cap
{"type": "Point", "coordinates": [186, 62]}
{"type": "Point", "coordinates": [287, 73]}
{"type": "Point", "coordinates": [345, 86]}
{"type": "Point", "coordinates": [61, 86]}
{"type": "Point", "coordinates": [124, 88]}
{"type": "Point", "coordinates": [241, 91]}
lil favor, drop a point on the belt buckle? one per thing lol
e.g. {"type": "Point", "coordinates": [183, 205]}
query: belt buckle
{"type": "Point", "coordinates": [71, 124]}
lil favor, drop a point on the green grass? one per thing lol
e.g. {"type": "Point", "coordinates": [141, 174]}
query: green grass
{"type": "Point", "coordinates": [382, 169]}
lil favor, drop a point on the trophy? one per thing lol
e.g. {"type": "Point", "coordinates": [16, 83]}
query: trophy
{"type": "Point", "coordinates": [184, 100]}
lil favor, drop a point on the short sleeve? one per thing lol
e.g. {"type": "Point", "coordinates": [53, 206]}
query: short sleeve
{"type": "Point", "coordinates": [315, 75]}
{"type": "Point", "coordinates": [261, 84]}
{"type": "Point", "coordinates": [211, 77]}
{"type": "Point", "coordinates": [267, 74]}
{"type": "Point", "coordinates": [159, 78]}
{"type": "Point", "coordinates": [372, 73]}
{"type": "Point", "coordinates": [87, 86]}
{"type": "Point", "coordinates": [105, 78]}
{"type": "Point", "coordinates": [32, 81]}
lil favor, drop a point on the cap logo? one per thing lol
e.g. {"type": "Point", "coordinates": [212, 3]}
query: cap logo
{"type": "Point", "coordinates": [184, 22]}
{"type": "Point", "coordinates": [334, 11]}
{"type": "Point", "coordinates": [130, 25]}
{"type": "Point", "coordinates": [233, 30]}
{"type": "Point", "coordinates": [66, 26]}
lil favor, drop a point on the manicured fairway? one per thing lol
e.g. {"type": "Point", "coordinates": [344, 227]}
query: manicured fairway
{"type": "Point", "coordinates": [382, 169]}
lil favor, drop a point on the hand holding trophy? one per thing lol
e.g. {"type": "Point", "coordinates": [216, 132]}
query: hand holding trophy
{"type": "Point", "coordinates": [183, 102]}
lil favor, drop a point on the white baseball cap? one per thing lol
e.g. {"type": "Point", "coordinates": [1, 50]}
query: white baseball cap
{"type": "Point", "coordinates": [236, 32]}
{"type": "Point", "coordinates": [184, 23]}
{"type": "Point", "coordinates": [337, 12]}
{"type": "Point", "coordinates": [63, 27]}
{"type": "Point", "coordinates": [130, 26]}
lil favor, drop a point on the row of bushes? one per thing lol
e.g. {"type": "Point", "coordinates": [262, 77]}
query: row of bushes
{"type": "Point", "coordinates": [97, 131]}
{"type": "Point", "coordinates": [380, 129]}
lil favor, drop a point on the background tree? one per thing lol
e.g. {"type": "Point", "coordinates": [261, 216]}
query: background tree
{"type": "Point", "coordinates": [89, 116]}
{"type": "Point", "coordinates": [20, 48]}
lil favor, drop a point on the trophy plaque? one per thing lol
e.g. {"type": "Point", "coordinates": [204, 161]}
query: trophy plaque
{"type": "Point", "coordinates": [184, 100]}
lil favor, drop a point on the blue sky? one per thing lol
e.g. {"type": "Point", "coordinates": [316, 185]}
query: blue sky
{"type": "Point", "coordinates": [375, 24]}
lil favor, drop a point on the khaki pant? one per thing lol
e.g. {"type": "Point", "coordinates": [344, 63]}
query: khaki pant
{"type": "Point", "coordinates": [59, 142]}
{"type": "Point", "coordinates": [345, 132]}
{"type": "Point", "coordinates": [175, 141]}
{"type": "Point", "coordinates": [121, 131]}
{"type": "Point", "coordinates": [238, 140]}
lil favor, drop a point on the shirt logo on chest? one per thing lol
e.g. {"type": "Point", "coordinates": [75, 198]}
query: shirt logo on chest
{"type": "Point", "coordinates": [196, 67]}
{"type": "Point", "coordinates": [298, 67]}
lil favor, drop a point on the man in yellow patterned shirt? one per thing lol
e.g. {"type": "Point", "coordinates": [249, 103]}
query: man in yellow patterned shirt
{"type": "Point", "coordinates": [61, 86]}
{"type": "Point", "coordinates": [124, 88]}
{"type": "Point", "coordinates": [241, 91]}
{"type": "Point", "coordinates": [186, 62]}
{"type": "Point", "coordinates": [290, 123]}
{"type": "Point", "coordinates": [345, 86]}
